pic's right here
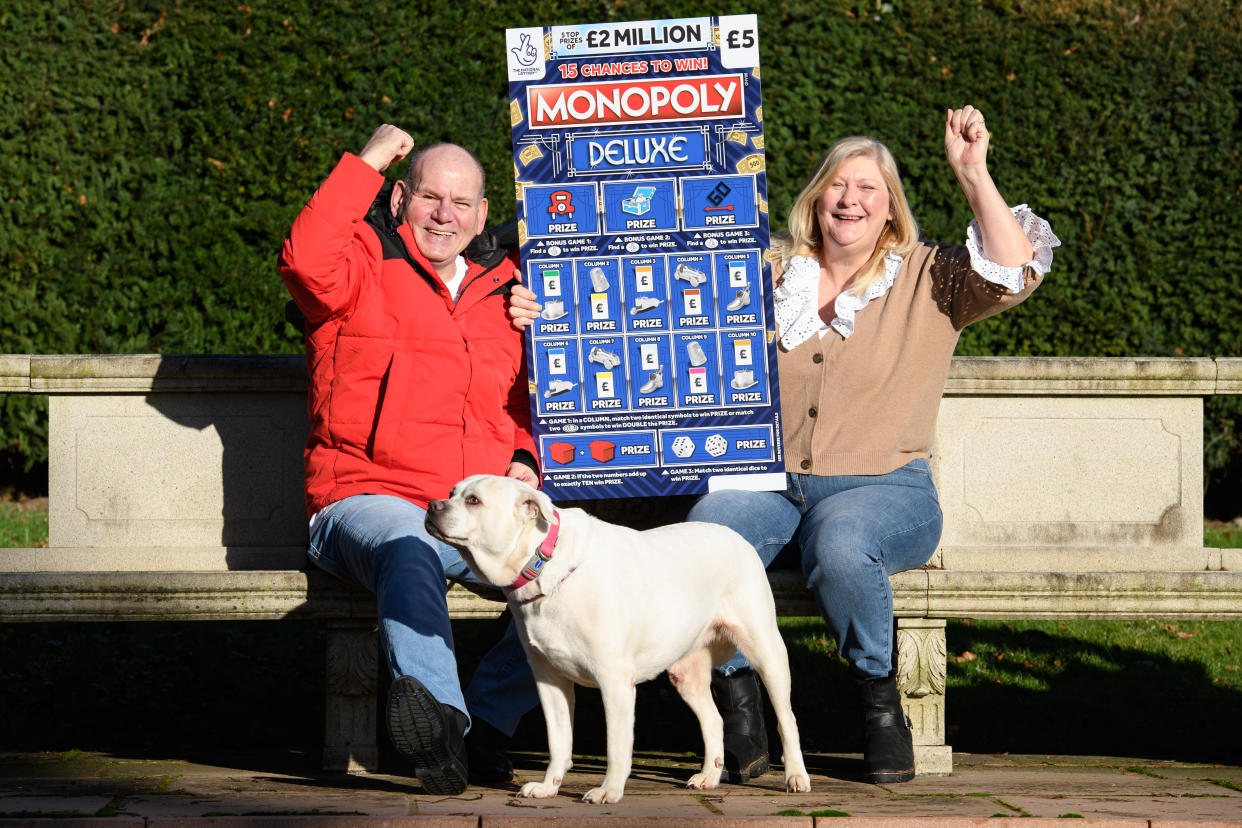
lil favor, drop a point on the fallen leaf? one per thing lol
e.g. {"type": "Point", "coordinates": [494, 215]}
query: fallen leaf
{"type": "Point", "coordinates": [965, 656]}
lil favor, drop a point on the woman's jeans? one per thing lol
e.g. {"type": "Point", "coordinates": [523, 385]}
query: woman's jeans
{"type": "Point", "coordinates": [378, 542]}
{"type": "Point", "coordinates": [852, 532]}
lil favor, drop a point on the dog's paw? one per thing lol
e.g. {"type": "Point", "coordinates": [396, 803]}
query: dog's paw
{"type": "Point", "coordinates": [797, 783]}
{"type": "Point", "coordinates": [601, 796]}
{"type": "Point", "coordinates": [704, 781]}
{"type": "Point", "coordinates": [539, 790]}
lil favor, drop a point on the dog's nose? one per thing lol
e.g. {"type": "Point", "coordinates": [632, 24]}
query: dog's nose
{"type": "Point", "coordinates": [437, 505]}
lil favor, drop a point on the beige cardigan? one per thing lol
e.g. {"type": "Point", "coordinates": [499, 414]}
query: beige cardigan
{"type": "Point", "coordinates": [868, 404]}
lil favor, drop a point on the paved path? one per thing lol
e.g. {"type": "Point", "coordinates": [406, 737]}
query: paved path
{"type": "Point", "coordinates": [252, 790]}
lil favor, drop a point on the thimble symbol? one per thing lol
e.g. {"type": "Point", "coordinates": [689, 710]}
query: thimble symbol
{"type": "Point", "coordinates": [695, 351]}
{"type": "Point", "coordinates": [599, 282]}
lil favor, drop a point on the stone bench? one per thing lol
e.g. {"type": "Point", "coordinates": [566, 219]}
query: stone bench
{"type": "Point", "coordinates": [1071, 488]}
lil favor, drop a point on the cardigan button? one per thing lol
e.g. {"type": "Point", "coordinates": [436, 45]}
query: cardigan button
{"type": "Point", "coordinates": [806, 464]}
{"type": "Point", "coordinates": [814, 411]}
{"type": "Point", "coordinates": [817, 358]}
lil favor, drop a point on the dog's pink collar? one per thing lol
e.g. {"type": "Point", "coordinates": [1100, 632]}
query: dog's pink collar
{"type": "Point", "coordinates": [542, 555]}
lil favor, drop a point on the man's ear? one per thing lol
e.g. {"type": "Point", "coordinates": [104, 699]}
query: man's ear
{"type": "Point", "coordinates": [482, 217]}
{"type": "Point", "coordinates": [394, 202]}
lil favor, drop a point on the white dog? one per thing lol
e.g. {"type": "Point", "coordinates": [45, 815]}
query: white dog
{"type": "Point", "coordinates": [605, 606]}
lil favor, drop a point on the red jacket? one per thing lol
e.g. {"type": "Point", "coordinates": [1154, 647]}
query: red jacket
{"type": "Point", "coordinates": [409, 391]}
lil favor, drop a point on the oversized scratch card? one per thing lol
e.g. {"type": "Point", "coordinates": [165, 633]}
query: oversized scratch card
{"type": "Point", "coordinates": [643, 220]}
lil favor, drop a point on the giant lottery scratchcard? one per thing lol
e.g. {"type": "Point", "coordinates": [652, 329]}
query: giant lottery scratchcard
{"type": "Point", "coordinates": [643, 222]}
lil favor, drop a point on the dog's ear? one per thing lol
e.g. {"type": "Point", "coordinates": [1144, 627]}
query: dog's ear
{"type": "Point", "coordinates": [537, 506]}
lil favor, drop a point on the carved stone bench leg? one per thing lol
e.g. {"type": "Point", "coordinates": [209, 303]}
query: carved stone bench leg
{"type": "Point", "coordinates": [921, 669]}
{"type": "Point", "coordinates": [349, 727]}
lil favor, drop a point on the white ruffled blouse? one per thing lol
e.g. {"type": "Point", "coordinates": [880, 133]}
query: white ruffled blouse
{"type": "Point", "coordinates": [796, 300]}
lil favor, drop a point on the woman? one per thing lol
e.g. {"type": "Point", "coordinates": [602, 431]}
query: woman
{"type": "Point", "coordinates": [867, 318]}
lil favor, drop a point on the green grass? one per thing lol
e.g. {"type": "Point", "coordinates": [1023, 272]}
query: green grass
{"type": "Point", "coordinates": [22, 527]}
{"type": "Point", "coordinates": [1223, 536]}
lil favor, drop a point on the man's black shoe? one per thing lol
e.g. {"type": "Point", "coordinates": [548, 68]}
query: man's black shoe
{"type": "Point", "coordinates": [488, 765]}
{"type": "Point", "coordinates": [430, 734]}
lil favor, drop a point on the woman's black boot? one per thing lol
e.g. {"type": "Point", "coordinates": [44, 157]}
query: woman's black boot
{"type": "Point", "coordinates": [740, 702]}
{"type": "Point", "coordinates": [889, 748]}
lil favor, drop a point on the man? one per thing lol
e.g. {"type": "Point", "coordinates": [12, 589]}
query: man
{"type": "Point", "coordinates": [416, 380]}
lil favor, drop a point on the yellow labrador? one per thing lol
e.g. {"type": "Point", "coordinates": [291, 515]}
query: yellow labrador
{"type": "Point", "coordinates": [605, 606]}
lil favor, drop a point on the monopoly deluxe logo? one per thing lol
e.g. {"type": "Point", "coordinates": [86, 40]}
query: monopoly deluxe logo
{"type": "Point", "coordinates": [635, 101]}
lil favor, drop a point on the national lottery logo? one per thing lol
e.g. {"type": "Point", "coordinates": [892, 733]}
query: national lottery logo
{"type": "Point", "coordinates": [525, 53]}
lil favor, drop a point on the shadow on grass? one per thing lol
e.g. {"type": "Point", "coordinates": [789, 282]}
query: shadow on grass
{"type": "Point", "coordinates": [1040, 690]}
{"type": "Point", "coordinates": [253, 691]}
{"type": "Point", "coordinates": [168, 690]}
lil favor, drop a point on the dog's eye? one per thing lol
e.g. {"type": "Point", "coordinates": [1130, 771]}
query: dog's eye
{"type": "Point", "coordinates": [473, 500]}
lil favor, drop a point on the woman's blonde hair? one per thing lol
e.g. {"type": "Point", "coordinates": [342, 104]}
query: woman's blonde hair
{"type": "Point", "coordinates": [804, 238]}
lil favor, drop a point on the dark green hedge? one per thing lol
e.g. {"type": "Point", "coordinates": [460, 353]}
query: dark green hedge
{"type": "Point", "coordinates": [153, 154]}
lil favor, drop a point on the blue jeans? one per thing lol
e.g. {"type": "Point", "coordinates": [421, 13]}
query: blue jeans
{"type": "Point", "coordinates": [851, 532]}
{"type": "Point", "coordinates": [378, 542]}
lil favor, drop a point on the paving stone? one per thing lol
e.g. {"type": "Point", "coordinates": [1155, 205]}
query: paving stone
{"type": "Point", "coordinates": [314, 822]}
{"type": "Point", "coordinates": [1134, 807]}
{"type": "Point", "coordinates": [1108, 792]}
{"type": "Point", "coordinates": [38, 803]}
{"type": "Point", "coordinates": [1228, 775]}
{"type": "Point", "coordinates": [648, 821]}
{"type": "Point", "coordinates": [160, 807]}
{"type": "Point", "coordinates": [1049, 781]}
{"type": "Point", "coordinates": [90, 822]}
